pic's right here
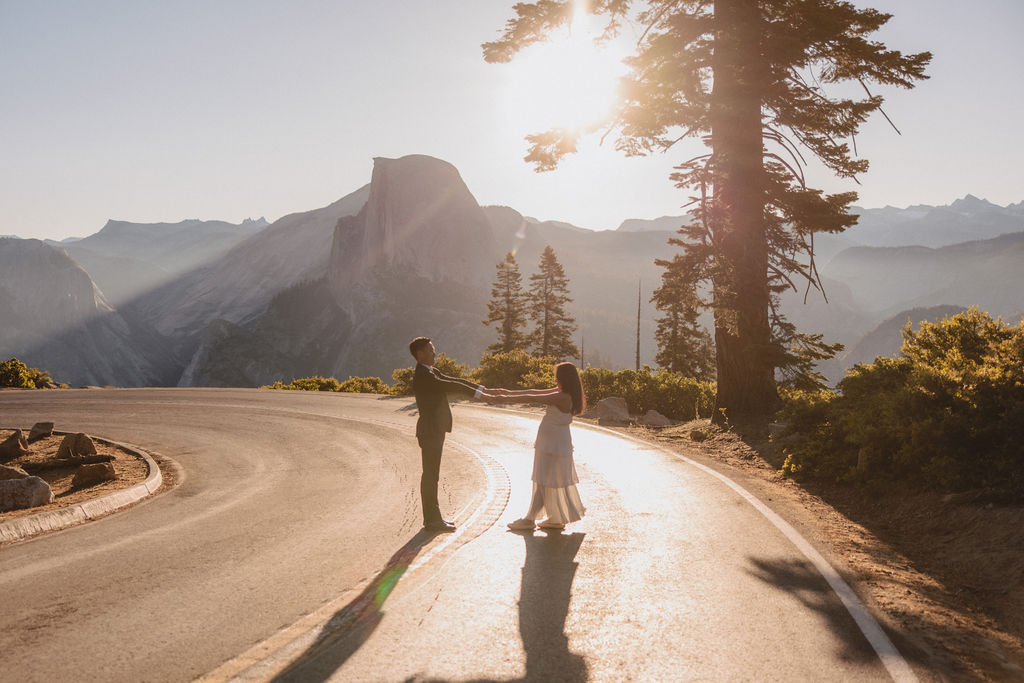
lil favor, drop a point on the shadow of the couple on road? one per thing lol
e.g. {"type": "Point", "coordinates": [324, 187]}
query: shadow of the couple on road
{"type": "Point", "coordinates": [547, 577]}
{"type": "Point", "coordinates": [548, 574]}
{"type": "Point", "coordinates": [352, 625]}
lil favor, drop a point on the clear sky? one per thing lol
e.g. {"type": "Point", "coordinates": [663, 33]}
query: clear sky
{"type": "Point", "coordinates": [227, 109]}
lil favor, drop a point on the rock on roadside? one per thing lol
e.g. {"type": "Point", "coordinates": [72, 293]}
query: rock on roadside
{"type": "Point", "coordinates": [652, 418]}
{"type": "Point", "coordinates": [16, 494]}
{"type": "Point", "coordinates": [88, 475]}
{"type": "Point", "coordinates": [612, 411]}
{"type": "Point", "coordinates": [75, 446]}
{"type": "Point", "coordinates": [40, 430]}
{"type": "Point", "coordinates": [12, 472]}
{"type": "Point", "coordinates": [13, 446]}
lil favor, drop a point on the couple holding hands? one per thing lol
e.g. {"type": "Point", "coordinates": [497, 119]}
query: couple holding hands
{"type": "Point", "coordinates": [554, 472]}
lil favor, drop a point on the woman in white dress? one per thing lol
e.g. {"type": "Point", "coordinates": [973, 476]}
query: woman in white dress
{"type": "Point", "coordinates": [554, 472]}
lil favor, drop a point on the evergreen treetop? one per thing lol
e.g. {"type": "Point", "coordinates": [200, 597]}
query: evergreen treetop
{"type": "Point", "coordinates": [548, 295]}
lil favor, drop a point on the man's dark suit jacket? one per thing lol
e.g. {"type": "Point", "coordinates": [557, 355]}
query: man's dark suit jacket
{"type": "Point", "coordinates": [432, 387]}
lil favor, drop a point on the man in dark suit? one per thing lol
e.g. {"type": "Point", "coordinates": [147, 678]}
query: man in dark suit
{"type": "Point", "coordinates": [432, 388]}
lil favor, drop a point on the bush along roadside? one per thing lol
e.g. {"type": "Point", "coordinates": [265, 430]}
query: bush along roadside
{"type": "Point", "coordinates": [14, 373]}
{"type": "Point", "coordinates": [671, 394]}
{"type": "Point", "coordinates": [946, 415]}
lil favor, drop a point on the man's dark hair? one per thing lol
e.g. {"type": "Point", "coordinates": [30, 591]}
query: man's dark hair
{"type": "Point", "coordinates": [417, 344]}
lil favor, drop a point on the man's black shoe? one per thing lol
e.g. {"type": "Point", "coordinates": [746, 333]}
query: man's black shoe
{"type": "Point", "coordinates": [439, 526]}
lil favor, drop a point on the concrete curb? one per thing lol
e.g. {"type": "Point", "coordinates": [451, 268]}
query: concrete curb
{"type": "Point", "coordinates": [52, 520]}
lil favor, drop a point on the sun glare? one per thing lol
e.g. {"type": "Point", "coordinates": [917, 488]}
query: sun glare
{"type": "Point", "coordinates": [568, 81]}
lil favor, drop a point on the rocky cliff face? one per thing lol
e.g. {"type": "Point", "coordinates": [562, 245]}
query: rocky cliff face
{"type": "Point", "coordinates": [416, 260]}
{"type": "Point", "coordinates": [420, 221]}
{"type": "Point", "coordinates": [44, 290]}
{"type": "Point", "coordinates": [301, 334]}
{"type": "Point", "coordinates": [53, 316]}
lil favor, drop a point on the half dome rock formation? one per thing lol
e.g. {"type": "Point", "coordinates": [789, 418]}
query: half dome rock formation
{"type": "Point", "coordinates": [420, 220]}
{"type": "Point", "coordinates": [54, 317]}
{"type": "Point", "coordinates": [417, 259]}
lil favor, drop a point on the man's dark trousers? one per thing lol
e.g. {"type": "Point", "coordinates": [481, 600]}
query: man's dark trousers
{"type": "Point", "coordinates": [430, 450]}
{"type": "Point", "coordinates": [431, 388]}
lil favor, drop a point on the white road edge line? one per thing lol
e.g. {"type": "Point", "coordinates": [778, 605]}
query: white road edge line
{"type": "Point", "coordinates": [891, 658]}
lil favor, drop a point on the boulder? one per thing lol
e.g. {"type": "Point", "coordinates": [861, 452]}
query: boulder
{"type": "Point", "coordinates": [40, 430]}
{"type": "Point", "coordinates": [612, 411]}
{"type": "Point", "coordinates": [12, 472]}
{"type": "Point", "coordinates": [17, 494]}
{"type": "Point", "coordinates": [652, 418]}
{"type": "Point", "coordinates": [89, 475]}
{"type": "Point", "coordinates": [75, 446]}
{"type": "Point", "coordinates": [13, 446]}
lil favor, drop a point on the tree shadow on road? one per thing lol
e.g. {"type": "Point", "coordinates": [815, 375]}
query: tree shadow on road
{"type": "Point", "coordinates": [803, 581]}
{"type": "Point", "coordinates": [351, 626]}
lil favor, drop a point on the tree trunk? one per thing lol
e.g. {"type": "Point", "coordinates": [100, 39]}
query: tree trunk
{"type": "Point", "coordinates": [746, 381]}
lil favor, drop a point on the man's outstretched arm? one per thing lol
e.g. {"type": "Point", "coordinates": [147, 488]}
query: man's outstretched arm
{"type": "Point", "coordinates": [455, 384]}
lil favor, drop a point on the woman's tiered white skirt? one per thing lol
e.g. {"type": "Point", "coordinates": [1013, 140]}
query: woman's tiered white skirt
{"type": "Point", "coordinates": [554, 471]}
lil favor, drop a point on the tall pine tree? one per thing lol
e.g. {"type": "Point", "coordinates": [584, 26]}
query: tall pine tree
{"type": "Point", "coordinates": [751, 78]}
{"type": "Point", "coordinates": [549, 293]}
{"type": "Point", "coordinates": [684, 346]}
{"type": "Point", "coordinates": [507, 308]}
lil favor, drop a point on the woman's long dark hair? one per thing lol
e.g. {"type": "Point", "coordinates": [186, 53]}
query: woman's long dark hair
{"type": "Point", "coordinates": [568, 378]}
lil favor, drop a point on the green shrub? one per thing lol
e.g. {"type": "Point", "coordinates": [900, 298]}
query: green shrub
{"type": "Point", "coordinates": [315, 383]}
{"type": "Point", "coordinates": [14, 373]}
{"type": "Point", "coordinates": [515, 369]}
{"type": "Point", "coordinates": [365, 385]}
{"type": "Point", "coordinates": [671, 394]}
{"type": "Point", "coordinates": [401, 381]}
{"type": "Point", "coordinates": [947, 414]}
{"type": "Point", "coordinates": [353, 385]}
{"type": "Point", "coordinates": [41, 379]}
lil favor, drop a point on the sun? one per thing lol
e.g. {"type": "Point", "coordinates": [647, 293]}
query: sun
{"type": "Point", "coordinates": [567, 81]}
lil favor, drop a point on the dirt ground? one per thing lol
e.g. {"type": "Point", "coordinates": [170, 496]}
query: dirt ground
{"type": "Point", "coordinates": [945, 572]}
{"type": "Point", "coordinates": [130, 470]}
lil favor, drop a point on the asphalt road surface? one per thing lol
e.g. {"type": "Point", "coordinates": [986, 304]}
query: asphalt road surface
{"type": "Point", "coordinates": [292, 550]}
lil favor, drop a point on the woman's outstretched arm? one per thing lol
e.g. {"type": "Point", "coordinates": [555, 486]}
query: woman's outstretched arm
{"type": "Point", "coordinates": [522, 392]}
{"type": "Point", "coordinates": [542, 396]}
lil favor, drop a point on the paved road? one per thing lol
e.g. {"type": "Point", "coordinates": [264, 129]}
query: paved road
{"type": "Point", "coordinates": [294, 503]}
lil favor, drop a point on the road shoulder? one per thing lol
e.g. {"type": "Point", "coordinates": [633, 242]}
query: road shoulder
{"type": "Point", "coordinates": [931, 616]}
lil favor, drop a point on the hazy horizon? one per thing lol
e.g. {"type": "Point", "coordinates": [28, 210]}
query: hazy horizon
{"type": "Point", "coordinates": [272, 220]}
{"type": "Point", "coordinates": [152, 113]}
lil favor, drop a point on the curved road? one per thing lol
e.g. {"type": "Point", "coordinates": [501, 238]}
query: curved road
{"type": "Point", "coordinates": [292, 551]}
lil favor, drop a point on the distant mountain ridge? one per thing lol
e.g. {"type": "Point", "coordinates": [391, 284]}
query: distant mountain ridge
{"type": "Point", "coordinates": [126, 259]}
{"type": "Point", "coordinates": [966, 219]}
{"type": "Point", "coordinates": [340, 289]}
